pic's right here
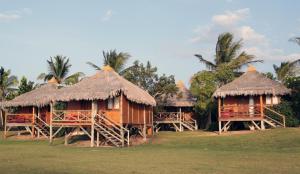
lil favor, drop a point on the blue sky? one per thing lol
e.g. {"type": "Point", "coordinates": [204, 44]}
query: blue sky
{"type": "Point", "coordinates": [168, 33]}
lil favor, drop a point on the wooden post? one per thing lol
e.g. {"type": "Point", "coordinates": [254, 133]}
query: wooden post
{"type": "Point", "coordinates": [51, 128]}
{"type": "Point", "coordinates": [145, 125]}
{"type": "Point", "coordinates": [121, 120]}
{"type": "Point", "coordinates": [39, 116]}
{"type": "Point", "coordinates": [262, 124]}
{"type": "Point", "coordinates": [66, 139]}
{"type": "Point", "coordinates": [33, 121]}
{"type": "Point", "coordinates": [152, 120]}
{"type": "Point", "coordinates": [98, 143]}
{"type": "Point", "coordinates": [5, 123]}
{"type": "Point", "coordinates": [94, 112]}
{"type": "Point", "coordinates": [219, 115]}
{"type": "Point", "coordinates": [180, 120]}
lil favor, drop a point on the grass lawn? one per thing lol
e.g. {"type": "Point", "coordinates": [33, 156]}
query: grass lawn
{"type": "Point", "coordinates": [270, 151]}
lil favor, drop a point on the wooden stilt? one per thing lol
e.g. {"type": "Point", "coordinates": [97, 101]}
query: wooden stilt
{"type": "Point", "coordinates": [98, 142]}
{"type": "Point", "coordinates": [94, 112]}
{"type": "Point", "coordinates": [51, 129]}
{"type": "Point", "coordinates": [5, 123]}
{"type": "Point", "coordinates": [66, 139]}
{"type": "Point", "coordinates": [180, 120]}
{"type": "Point", "coordinates": [220, 127]}
{"type": "Point", "coordinates": [39, 116]}
{"type": "Point", "coordinates": [145, 125]}
{"type": "Point", "coordinates": [33, 121]}
{"type": "Point", "coordinates": [121, 120]}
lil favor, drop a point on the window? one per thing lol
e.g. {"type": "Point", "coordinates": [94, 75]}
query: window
{"type": "Point", "coordinates": [276, 100]}
{"type": "Point", "coordinates": [268, 100]}
{"type": "Point", "coordinates": [110, 103]}
{"type": "Point", "coordinates": [113, 103]}
{"type": "Point", "coordinates": [116, 102]}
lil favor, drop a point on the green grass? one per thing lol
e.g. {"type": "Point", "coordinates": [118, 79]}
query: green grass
{"type": "Point", "coordinates": [271, 151]}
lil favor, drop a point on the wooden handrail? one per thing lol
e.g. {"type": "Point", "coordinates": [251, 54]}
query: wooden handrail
{"type": "Point", "coordinates": [282, 116]}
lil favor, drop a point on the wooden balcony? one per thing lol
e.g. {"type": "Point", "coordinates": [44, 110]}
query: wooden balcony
{"type": "Point", "coordinates": [19, 119]}
{"type": "Point", "coordinates": [240, 113]}
{"type": "Point", "coordinates": [167, 117]}
{"type": "Point", "coordinates": [72, 117]}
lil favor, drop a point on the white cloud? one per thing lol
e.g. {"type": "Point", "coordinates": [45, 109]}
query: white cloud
{"type": "Point", "coordinates": [231, 17]}
{"type": "Point", "coordinates": [107, 16]}
{"type": "Point", "coordinates": [14, 15]}
{"type": "Point", "coordinates": [253, 42]}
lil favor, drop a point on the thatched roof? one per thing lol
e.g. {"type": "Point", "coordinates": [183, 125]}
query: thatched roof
{"type": "Point", "coordinates": [183, 98]}
{"type": "Point", "coordinates": [251, 83]}
{"type": "Point", "coordinates": [104, 84]}
{"type": "Point", "coordinates": [38, 97]}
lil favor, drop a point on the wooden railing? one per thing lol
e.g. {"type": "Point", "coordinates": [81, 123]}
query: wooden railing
{"type": "Point", "coordinates": [72, 116]}
{"type": "Point", "coordinates": [240, 111]}
{"type": "Point", "coordinates": [167, 116]}
{"type": "Point", "coordinates": [19, 118]}
{"type": "Point", "coordinates": [112, 128]}
{"type": "Point", "coordinates": [280, 119]}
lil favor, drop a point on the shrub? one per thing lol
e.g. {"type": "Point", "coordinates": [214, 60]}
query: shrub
{"type": "Point", "coordinates": [285, 108]}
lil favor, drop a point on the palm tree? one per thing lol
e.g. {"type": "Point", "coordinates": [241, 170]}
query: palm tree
{"type": "Point", "coordinates": [287, 69]}
{"type": "Point", "coordinates": [8, 83]}
{"type": "Point", "coordinates": [115, 60]}
{"type": "Point", "coordinates": [59, 68]}
{"type": "Point", "coordinates": [228, 52]}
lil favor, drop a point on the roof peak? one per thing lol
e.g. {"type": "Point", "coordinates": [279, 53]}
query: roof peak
{"type": "Point", "coordinates": [107, 68]}
{"type": "Point", "coordinates": [53, 80]}
{"type": "Point", "coordinates": [251, 68]}
{"type": "Point", "coordinates": [180, 83]}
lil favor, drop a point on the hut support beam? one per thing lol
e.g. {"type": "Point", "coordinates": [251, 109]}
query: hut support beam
{"type": "Point", "coordinates": [33, 121]}
{"type": "Point", "coordinates": [5, 127]}
{"type": "Point", "coordinates": [121, 120]}
{"type": "Point", "coordinates": [51, 128]}
{"type": "Point", "coordinates": [145, 126]}
{"type": "Point", "coordinates": [94, 113]}
{"type": "Point", "coordinates": [180, 120]}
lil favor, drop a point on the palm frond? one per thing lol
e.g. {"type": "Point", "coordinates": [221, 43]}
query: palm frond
{"type": "Point", "coordinates": [207, 63]}
{"type": "Point", "coordinates": [96, 67]}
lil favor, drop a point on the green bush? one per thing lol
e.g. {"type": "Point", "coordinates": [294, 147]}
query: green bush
{"type": "Point", "coordinates": [285, 108]}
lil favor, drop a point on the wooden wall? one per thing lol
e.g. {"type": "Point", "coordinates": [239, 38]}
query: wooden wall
{"type": "Point", "coordinates": [133, 113]}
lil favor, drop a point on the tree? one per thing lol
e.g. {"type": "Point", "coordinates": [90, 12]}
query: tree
{"type": "Point", "coordinates": [59, 68]}
{"type": "Point", "coordinates": [8, 83]}
{"type": "Point", "coordinates": [25, 86]}
{"type": "Point", "coordinates": [270, 75]}
{"type": "Point", "coordinates": [287, 69]}
{"type": "Point", "coordinates": [146, 77]}
{"type": "Point", "coordinates": [114, 59]}
{"type": "Point", "coordinates": [203, 85]}
{"type": "Point", "coordinates": [229, 59]}
{"type": "Point", "coordinates": [228, 52]}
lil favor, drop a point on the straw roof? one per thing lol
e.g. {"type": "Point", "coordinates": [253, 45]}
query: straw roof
{"type": "Point", "coordinates": [104, 84]}
{"type": "Point", "coordinates": [39, 97]}
{"type": "Point", "coordinates": [251, 83]}
{"type": "Point", "coordinates": [183, 98]}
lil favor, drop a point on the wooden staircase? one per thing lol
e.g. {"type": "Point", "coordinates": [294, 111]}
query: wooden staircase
{"type": "Point", "coordinates": [190, 124]}
{"type": "Point", "coordinates": [41, 127]}
{"type": "Point", "coordinates": [114, 134]}
{"type": "Point", "coordinates": [279, 121]}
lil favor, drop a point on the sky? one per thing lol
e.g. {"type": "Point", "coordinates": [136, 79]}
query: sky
{"type": "Point", "coordinates": [167, 33]}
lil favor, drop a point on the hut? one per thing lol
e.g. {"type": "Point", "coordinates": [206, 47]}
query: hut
{"type": "Point", "coordinates": [104, 106]}
{"type": "Point", "coordinates": [247, 99]}
{"type": "Point", "coordinates": [177, 111]}
{"type": "Point", "coordinates": [30, 112]}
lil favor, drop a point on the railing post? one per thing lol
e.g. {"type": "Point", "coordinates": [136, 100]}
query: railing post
{"type": "Point", "coordinates": [33, 121]}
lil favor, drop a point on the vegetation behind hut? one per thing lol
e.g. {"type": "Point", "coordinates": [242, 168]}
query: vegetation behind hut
{"type": "Point", "coordinates": [147, 78]}
{"type": "Point", "coordinates": [59, 68]}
